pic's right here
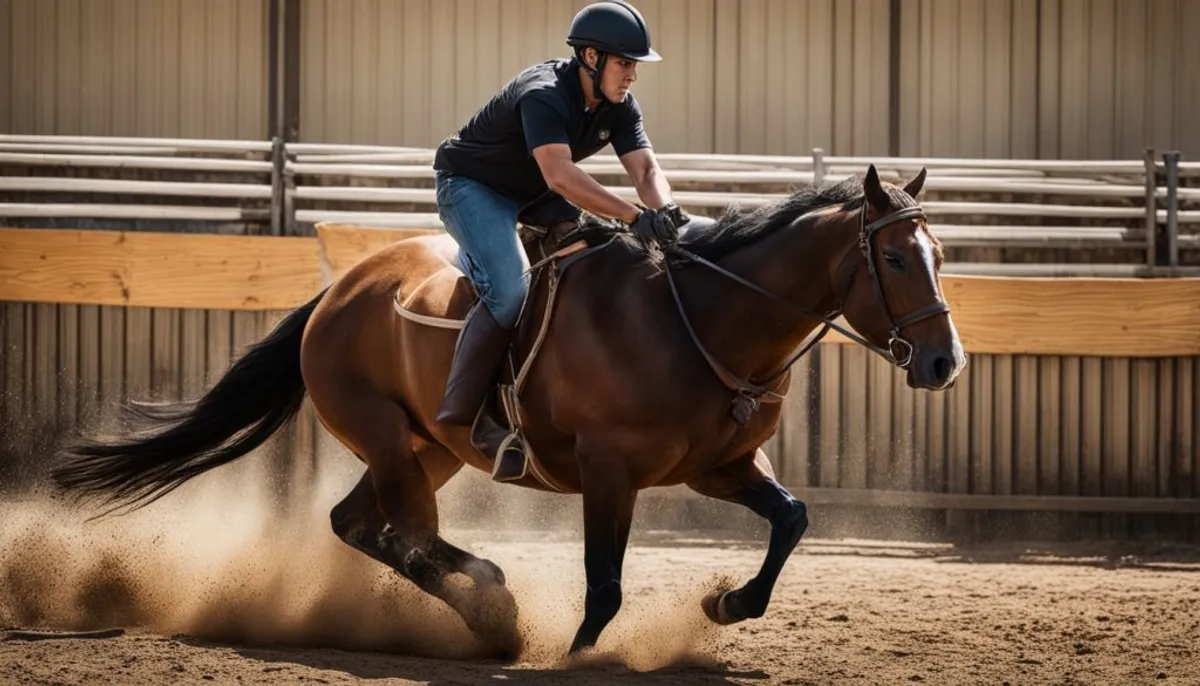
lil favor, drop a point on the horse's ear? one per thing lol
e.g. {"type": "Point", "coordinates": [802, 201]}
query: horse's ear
{"type": "Point", "coordinates": [914, 187]}
{"type": "Point", "coordinates": [874, 190]}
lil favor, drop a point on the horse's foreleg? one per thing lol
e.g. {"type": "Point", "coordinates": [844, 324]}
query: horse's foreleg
{"type": "Point", "coordinates": [750, 481]}
{"type": "Point", "coordinates": [608, 501]}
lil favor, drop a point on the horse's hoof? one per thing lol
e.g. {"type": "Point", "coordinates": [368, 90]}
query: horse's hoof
{"type": "Point", "coordinates": [492, 616]}
{"type": "Point", "coordinates": [590, 657]}
{"type": "Point", "coordinates": [716, 608]}
{"type": "Point", "coordinates": [485, 573]}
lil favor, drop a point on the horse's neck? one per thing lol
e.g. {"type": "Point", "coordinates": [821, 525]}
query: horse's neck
{"type": "Point", "coordinates": [748, 333]}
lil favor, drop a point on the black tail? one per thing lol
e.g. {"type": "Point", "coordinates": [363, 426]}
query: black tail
{"type": "Point", "coordinates": [260, 393]}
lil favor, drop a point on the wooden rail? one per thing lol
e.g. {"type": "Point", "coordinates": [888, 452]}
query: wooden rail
{"type": "Point", "coordinates": [157, 269]}
{"type": "Point", "coordinates": [1085, 316]}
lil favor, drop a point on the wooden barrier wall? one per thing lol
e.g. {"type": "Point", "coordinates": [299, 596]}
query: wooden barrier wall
{"type": "Point", "coordinates": [1047, 406]}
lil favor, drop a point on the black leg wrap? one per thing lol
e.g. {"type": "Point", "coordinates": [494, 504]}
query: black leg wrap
{"type": "Point", "coordinates": [601, 605]}
{"type": "Point", "coordinates": [793, 522]}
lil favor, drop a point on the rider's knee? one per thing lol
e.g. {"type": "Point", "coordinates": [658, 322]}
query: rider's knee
{"type": "Point", "coordinates": [505, 299]}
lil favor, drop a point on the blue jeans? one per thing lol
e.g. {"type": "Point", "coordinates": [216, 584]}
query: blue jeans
{"type": "Point", "coordinates": [484, 223]}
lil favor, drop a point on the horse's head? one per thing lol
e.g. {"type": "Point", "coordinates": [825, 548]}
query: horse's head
{"type": "Point", "coordinates": [895, 298]}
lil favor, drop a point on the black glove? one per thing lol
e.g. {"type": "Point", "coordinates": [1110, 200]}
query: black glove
{"type": "Point", "coordinates": [677, 215]}
{"type": "Point", "coordinates": [655, 225]}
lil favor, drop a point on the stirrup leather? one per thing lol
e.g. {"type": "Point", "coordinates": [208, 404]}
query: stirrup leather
{"type": "Point", "coordinates": [508, 397]}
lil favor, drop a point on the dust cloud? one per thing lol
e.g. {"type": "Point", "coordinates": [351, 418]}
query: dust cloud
{"type": "Point", "coordinates": [219, 560]}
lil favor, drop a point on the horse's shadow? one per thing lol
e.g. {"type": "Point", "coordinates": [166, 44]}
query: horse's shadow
{"type": "Point", "coordinates": [278, 661]}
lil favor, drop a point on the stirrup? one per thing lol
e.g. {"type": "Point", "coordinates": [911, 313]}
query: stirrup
{"type": "Point", "coordinates": [505, 447]}
{"type": "Point", "coordinates": [511, 462]}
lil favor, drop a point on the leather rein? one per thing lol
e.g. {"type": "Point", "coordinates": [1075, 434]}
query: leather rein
{"type": "Point", "coordinates": [749, 396]}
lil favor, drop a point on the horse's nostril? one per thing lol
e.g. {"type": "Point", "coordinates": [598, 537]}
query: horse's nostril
{"type": "Point", "coordinates": [942, 366]}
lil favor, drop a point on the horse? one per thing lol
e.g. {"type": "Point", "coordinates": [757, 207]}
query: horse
{"type": "Point", "coordinates": [643, 366]}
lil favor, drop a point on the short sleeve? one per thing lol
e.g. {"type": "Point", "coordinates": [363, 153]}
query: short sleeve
{"type": "Point", "coordinates": [628, 133]}
{"type": "Point", "coordinates": [543, 119]}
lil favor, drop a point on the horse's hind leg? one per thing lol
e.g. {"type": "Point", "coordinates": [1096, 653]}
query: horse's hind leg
{"type": "Point", "coordinates": [360, 523]}
{"type": "Point", "coordinates": [749, 481]}
{"type": "Point", "coordinates": [391, 514]}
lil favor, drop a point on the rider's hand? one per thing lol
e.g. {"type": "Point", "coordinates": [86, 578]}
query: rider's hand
{"type": "Point", "coordinates": [655, 225]}
{"type": "Point", "coordinates": [677, 215]}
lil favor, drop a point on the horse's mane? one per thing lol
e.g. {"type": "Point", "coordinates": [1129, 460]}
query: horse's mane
{"type": "Point", "coordinates": [739, 226]}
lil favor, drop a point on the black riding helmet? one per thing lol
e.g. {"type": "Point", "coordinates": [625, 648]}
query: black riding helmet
{"type": "Point", "coordinates": [614, 27]}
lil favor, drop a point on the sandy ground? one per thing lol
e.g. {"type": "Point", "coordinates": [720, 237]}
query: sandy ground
{"type": "Point", "coordinates": [210, 589]}
{"type": "Point", "coordinates": [844, 612]}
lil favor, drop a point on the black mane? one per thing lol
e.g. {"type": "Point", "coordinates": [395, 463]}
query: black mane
{"type": "Point", "coordinates": [740, 226]}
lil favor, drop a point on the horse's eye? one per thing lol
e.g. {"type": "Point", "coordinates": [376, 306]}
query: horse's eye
{"type": "Point", "coordinates": [894, 261]}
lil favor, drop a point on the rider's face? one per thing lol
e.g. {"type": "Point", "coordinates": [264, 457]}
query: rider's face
{"type": "Point", "coordinates": [618, 76]}
{"type": "Point", "coordinates": [620, 73]}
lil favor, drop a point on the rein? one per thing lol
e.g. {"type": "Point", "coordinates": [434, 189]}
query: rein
{"type": "Point", "coordinates": [749, 395]}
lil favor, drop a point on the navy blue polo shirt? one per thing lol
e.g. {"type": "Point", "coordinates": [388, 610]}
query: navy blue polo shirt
{"type": "Point", "coordinates": [543, 104]}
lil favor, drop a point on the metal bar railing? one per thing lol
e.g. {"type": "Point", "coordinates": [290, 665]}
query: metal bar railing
{"type": "Point", "coordinates": [281, 163]}
{"type": "Point", "coordinates": [1171, 162]}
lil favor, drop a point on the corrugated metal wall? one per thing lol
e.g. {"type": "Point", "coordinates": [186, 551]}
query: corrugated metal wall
{"type": "Point", "coordinates": [66, 369]}
{"type": "Point", "coordinates": [1013, 424]}
{"type": "Point", "coordinates": [134, 67]}
{"type": "Point", "coordinates": [1001, 78]}
{"type": "Point", "coordinates": [779, 76]}
{"type": "Point", "coordinates": [1048, 78]}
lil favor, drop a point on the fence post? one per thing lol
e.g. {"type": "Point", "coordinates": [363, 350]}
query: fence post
{"type": "Point", "coordinates": [289, 195]}
{"type": "Point", "coordinates": [277, 169]}
{"type": "Point", "coordinates": [1151, 223]}
{"type": "Point", "coordinates": [818, 166]}
{"type": "Point", "coordinates": [1171, 161]}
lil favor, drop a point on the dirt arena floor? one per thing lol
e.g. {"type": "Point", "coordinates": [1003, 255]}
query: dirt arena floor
{"type": "Point", "coordinates": [211, 591]}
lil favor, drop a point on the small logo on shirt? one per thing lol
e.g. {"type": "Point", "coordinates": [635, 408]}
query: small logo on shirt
{"type": "Point", "coordinates": [603, 134]}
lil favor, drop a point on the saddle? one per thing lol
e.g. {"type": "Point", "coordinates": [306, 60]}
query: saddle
{"type": "Point", "coordinates": [550, 250]}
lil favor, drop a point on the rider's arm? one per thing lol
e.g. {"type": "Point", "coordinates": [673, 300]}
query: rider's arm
{"type": "Point", "coordinates": [647, 177]}
{"type": "Point", "coordinates": [578, 187]}
{"type": "Point", "coordinates": [545, 126]}
{"type": "Point", "coordinates": [632, 145]}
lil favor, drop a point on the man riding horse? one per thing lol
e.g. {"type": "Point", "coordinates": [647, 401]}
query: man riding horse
{"type": "Point", "coordinates": [676, 395]}
{"type": "Point", "coordinates": [514, 161]}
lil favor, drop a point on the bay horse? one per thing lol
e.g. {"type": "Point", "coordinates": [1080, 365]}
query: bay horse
{"type": "Point", "coordinates": [658, 367]}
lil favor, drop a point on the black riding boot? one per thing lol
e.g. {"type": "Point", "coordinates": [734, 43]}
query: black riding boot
{"type": "Point", "coordinates": [473, 376]}
{"type": "Point", "coordinates": [477, 357]}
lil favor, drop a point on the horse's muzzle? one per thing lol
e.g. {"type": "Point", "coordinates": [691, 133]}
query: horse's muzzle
{"type": "Point", "coordinates": [936, 369]}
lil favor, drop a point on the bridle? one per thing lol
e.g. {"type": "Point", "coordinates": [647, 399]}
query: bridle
{"type": "Point", "coordinates": [895, 340]}
{"type": "Point", "coordinates": [899, 350]}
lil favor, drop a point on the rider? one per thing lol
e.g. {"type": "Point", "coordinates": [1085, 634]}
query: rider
{"type": "Point", "coordinates": [514, 160]}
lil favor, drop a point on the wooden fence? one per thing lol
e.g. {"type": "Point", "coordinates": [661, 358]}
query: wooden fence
{"type": "Point", "coordinates": [1081, 394]}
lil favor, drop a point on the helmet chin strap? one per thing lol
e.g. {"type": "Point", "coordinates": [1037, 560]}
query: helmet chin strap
{"type": "Point", "coordinates": [601, 59]}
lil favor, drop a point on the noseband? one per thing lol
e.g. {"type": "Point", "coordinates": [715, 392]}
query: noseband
{"type": "Point", "coordinates": [899, 350]}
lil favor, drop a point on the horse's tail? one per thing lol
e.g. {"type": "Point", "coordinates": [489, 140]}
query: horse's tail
{"type": "Point", "coordinates": [259, 394]}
